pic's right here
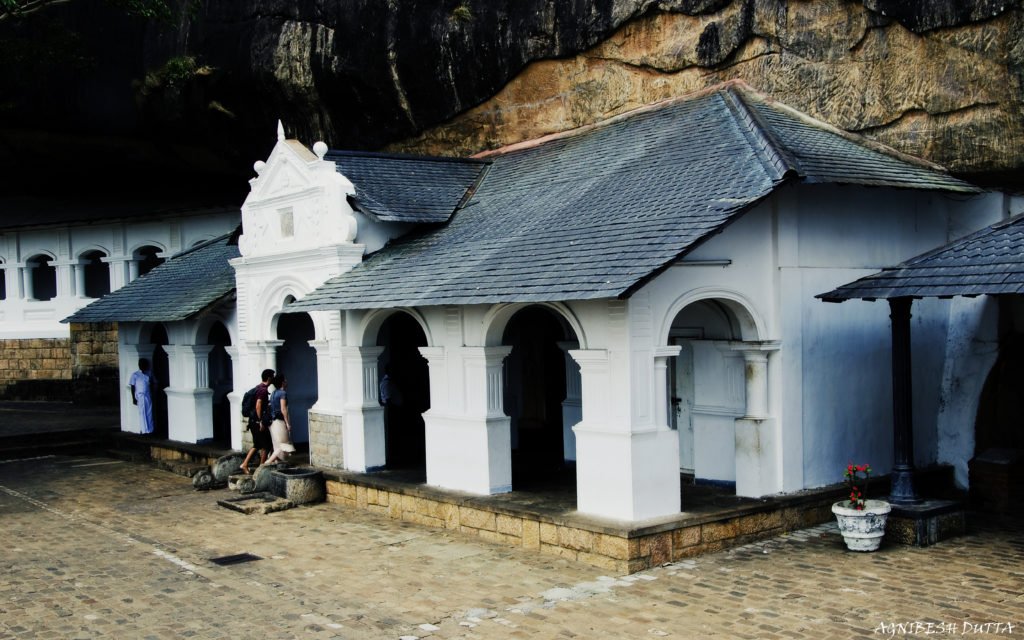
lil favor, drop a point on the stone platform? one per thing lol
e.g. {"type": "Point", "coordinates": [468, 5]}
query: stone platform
{"type": "Point", "coordinates": [540, 515]}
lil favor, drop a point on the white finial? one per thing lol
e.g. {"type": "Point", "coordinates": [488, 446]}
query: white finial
{"type": "Point", "coordinates": [259, 166]}
{"type": "Point", "coordinates": [280, 130]}
{"type": "Point", "coordinates": [320, 149]}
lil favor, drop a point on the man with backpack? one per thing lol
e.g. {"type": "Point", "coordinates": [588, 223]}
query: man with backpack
{"type": "Point", "coordinates": [256, 409]}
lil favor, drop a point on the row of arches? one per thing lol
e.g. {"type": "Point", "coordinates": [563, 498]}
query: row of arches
{"type": "Point", "coordinates": [92, 278]}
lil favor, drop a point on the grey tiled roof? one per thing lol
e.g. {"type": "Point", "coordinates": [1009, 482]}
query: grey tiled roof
{"type": "Point", "coordinates": [990, 261]}
{"type": "Point", "coordinates": [397, 188]}
{"type": "Point", "coordinates": [596, 212]}
{"type": "Point", "coordinates": [185, 285]}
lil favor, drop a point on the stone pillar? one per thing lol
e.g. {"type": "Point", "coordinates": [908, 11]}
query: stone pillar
{"type": "Point", "coordinates": [128, 355]}
{"type": "Point", "coordinates": [469, 448]}
{"type": "Point", "coordinates": [902, 491]}
{"type": "Point", "coordinates": [239, 433]}
{"type": "Point", "coordinates": [65, 279]}
{"type": "Point", "coordinates": [661, 356]}
{"type": "Point", "coordinates": [572, 406]}
{"type": "Point", "coordinates": [79, 278]}
{"type": "Point", "coordinates": [118, 272]}
{"type": "Point", "coordinates": [326, 437]}
{"type": "Point", "coordinates": [363, 433]}
{"type": "Point", "coordinates": [26, 281]}
{"type": "Point", "coordinates": [623, 471]}
{"type": "Point", "coordinates": [758, 453]}
{"type": "Point", "coordinates": [189, 396]}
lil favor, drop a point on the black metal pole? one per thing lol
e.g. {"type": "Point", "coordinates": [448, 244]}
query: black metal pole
{"type": "Point", "coordinates": [902, 491]}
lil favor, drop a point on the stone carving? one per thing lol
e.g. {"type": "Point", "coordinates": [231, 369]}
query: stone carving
{"type": "Point", "coordinates": [203, 480]}
{"type": "Point", "coordinates": [226, 466]}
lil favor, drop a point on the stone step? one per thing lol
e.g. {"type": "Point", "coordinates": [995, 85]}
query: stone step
{"type": "Point", "coordinates": [181, 467]}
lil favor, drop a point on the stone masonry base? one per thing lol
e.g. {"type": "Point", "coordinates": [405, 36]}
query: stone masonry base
{"type": "Point", "coordinates": [617, 547]}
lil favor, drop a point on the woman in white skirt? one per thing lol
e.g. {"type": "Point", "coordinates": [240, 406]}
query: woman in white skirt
{"type": "Point", "coordinates": [281, 427]}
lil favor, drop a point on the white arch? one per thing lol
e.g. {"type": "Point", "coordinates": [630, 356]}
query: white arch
{"type": "Point", "coordinates": [752, 325]}
{"type": "Point", "coordinates": [40, 252]}
{"type": "Point", "coordinates": [147, 243]}
{"type": "Point", "coordinates": [92, 247]}
{"type": "Point", "coordinates": [271, 301]}
{"type": "Point", "coordinates": [201, 329]}
{"type": "Point", "coordinates": [499, 315]}
{"type": "Point", "coordinates": [371, 323]}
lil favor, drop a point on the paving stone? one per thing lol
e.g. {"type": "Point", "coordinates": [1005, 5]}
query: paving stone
{"type": "Point", "coordinates": [121, 550]}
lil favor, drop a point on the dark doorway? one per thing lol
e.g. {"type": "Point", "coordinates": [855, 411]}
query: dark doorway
{"type": "Point", "coordinates": [296, 359]}
{"type": "Point", "coordinates": [405, 438]}
{"type": "Point", "coordinates": [221, 381]}
{"type": "Point", "coordinates": [161, 380]}
{"type": "Point", "coordinates": [148, 259]}
{"type": "Point", "coordinates": [534, 391]}
{"type": "Point", "coordinates": [3, 281]}
{"type": "Point", "coordinates": [998, 424]}
{"type": "Point", "coordinates": [44, 278]}
{"type": "Point", "coordinates": [97, 274]}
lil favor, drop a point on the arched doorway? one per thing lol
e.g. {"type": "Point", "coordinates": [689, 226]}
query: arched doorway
{"type": "Point", "coordinates": [161, 380]}
{"type": "Point", "coordinates": [998, 423]}
{"type": "Point", "coordinates": [221, 381]}
{"type": "Point", "coordinates": [296, 359]}
{"type": "Point", "coordinates": [409, 378]}
{"type": "Point", "coordinates": [535, 389]}
{"type": "Point", "coordinates": [706, 391]}
{"type": "Point", "coordinates": [147, 258]}
{"type": "Point", "coordinates": [43, 277]}
{"type": "Point", "coordinates": [96, 274]}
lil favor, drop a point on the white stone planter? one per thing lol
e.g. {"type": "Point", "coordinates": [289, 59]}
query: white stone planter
{"type": "Point", "coordinates": [862, 530]}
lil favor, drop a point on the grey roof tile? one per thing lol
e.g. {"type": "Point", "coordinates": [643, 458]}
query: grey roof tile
{"type": "Point", "coordinates": [399, 188]}
{"type": "Point", "coordinates": [185, 285]}
{"type": "Point", "coordinates": [594, 213]}
{"type": "Point", "coordinates": [987, 262]}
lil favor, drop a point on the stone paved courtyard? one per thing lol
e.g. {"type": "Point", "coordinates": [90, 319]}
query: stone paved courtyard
{"type": "Point", "coordinates": [100, 548]}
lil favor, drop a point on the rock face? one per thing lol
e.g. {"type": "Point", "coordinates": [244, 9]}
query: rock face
{"type": "Point", "coordinates": [941, 78]}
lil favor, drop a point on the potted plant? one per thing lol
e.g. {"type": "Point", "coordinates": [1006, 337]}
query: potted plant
{"type": "Point", "coordinates": [861, 521]}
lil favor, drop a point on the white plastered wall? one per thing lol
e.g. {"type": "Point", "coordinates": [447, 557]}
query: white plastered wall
{"type": "Point", "coordinates": [24, 317]}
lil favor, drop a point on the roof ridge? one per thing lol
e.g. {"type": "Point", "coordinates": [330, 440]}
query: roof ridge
{"type": "Point", "coordinates": [203, 244]}
{"type": "Point", "coordinates": [760, 136]}
{"type": "Point", "coordinates": [333, 154]}
{"type": "Point", "coordinates": [625, 115]}
{"type": "Point", "coordinates": [850, 136]}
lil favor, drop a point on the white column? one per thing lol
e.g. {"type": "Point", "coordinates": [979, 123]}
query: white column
{"type": "Point", "coordinates": [623, 471]}
{"type": "Point", "coordinates": [572, 406]}
{"type": "Point", "coordinates": [363, 431]}
{"type": "Point", "coordinates": [79, 278]}
{"type": "Point", "coordinates": [118, 272]}
{"type": "Point", "coordinates": [133, 269]}
{"type": "Point", "coordinates": [235, 400]}
{"type": "Point", "coordinates": [758, 452]}
{"type": "Point", "coordinates": [26, 281]}
{"type": "Point", "coordinates": [661, 356]}
{"type": "Point", "coordinates": [469, 446]}
{"type": "Point", "coordinates": [65, 279]}
{"type": "Point", "coordinates": [189, 396]}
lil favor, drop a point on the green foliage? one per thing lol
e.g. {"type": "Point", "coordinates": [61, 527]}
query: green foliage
{"type": "Point", "coordinates": [463, 13]}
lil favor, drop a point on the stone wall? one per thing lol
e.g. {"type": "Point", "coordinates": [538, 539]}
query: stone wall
{"type": "Point", "coordinates": [93, 360]}
{"type": "Point", "coordinates": [325, 441]}
{"type": "Point", "coordinates": [35, 369]}
{"type": "Point", "coordinates": [622, 549]}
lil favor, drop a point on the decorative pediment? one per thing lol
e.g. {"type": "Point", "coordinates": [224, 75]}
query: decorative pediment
{"type": "Point", "coordinates": [298, 202]}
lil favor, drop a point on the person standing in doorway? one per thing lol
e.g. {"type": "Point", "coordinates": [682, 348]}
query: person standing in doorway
{"type": "Point", "coordinates": [141, 384]}
{"type": "Point", "coordinates": [281, 428]}
{"type": "Point", "coordinates": [259, 421]}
